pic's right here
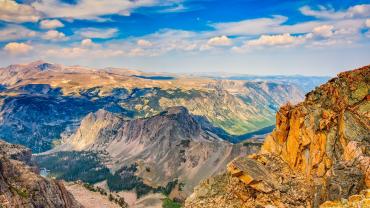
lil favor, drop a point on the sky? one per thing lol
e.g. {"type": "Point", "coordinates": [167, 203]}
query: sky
{"type": "Point", "coordinates": [266, 37]}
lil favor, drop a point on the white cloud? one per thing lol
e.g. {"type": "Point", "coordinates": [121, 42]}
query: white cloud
{"type": "Point", "coordinates": [15, 48]}
{"type": "Point", "coordinates": [78, 52]}
{"type": "Point", "coordinates": [97, 33]}
{"type": "Point", "coordinates": [51, 24]}
{"type": "Point", "coordinates": [356, 11]}
{"type": "Point", "coordinates": [275, 40]}
{"type": "Point", "coordinates": [362, 10]}
{"type": "Point", "coordinates": [72, 52]}
{"type": "Point", "coordinates": [161, 42]}
{"type": "Point", "coordinates": [88, 43]}
{"type": "Point", "coordinates": [54, 35]}
{"type": "Point", "coordinates": [323, 30]}
{"type": "Point", "coordinates": [144, 43]}
{"type": "Point", "coordinates": [259, 26]}
{"type": "Point", "coordinates": [89, 9]}
{"type": "Point", "coordinates": [250, 27]}
{"type": "Point", "coordinates": [15, 32]}
{"type": "Point", "coordinates": [367, 22]}
{"type": "Point", "coordinates": [220, 41]}
{"type": "Point", "coordinates": [174, 8]}
{"type": "Point", "coordinates": [11, 11]}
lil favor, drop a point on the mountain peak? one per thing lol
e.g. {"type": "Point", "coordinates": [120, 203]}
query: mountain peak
{"type": "Point", "coordinates": [175, 111]}
{"type": "Point", "coordinates": [41, 65]}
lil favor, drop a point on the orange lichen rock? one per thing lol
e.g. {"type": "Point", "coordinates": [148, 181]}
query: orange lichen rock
{"type": "Point", "coordinates": [252, 173]}
{"type": "Point", "coordinates": [255, 181]}
{"type": "Point", "coordinates": [332, 124]}
{"type": "Point", "coordinates": [361, 200]}
{"type": "Point", "coordinates": [319, 153]}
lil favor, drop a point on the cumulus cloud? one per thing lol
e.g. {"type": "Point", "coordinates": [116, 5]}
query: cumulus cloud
{"type": "Point", "coordinates": [97, 33]}
{"type": "Point", "coordinates": [273, 40]}
{"type": "Point", "coordinates": [274, 25]}
{"type": "Point", "coordinates": [144, 43]}
{"type": "Point", "coordinates": [323, 30]}
{"type": "Point", "coordinates": [11, 11]}
{"type": "Point", "coordinates": [51, 24]}
{"type": "Point", "coordinates": [15, 32]}
{"type": "Point", "coordinates": [367, 22]}
{"type": "Point", "coordinates": [89, 9]}
{"type": "Point", "coordinates": [88, 43]}
{"type": "Point", "coordinates": [249, 27]}
{"type": "Point", "coordinates": [77, 52]}
{"type": "Point", "coordinates": [54, 35]}
{"type": "Point", "coordinates": [220, 41]}
{"type": "Point", "coordinates": [362, 10]}
{"type": "Point", "coordinates": [15, 48]}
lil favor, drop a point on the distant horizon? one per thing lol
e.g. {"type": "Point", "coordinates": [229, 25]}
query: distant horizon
{"type": "Point", "coordinates": [211, 74]}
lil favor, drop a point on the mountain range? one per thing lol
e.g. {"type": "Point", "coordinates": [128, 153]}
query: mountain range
{"type": "Point", "coordinates": [41, 103]}
{"type": "Point", "coordinates": [130, 132]}
{"type": "Point", "coordinates": [171, 147]}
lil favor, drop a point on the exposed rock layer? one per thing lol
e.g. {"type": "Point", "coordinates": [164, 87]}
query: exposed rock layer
{"type": "Point", "coordinates": [21, 186]}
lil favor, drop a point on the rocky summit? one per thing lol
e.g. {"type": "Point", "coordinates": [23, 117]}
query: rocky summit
{"type": "Point", "coordinates": [319, 151]}
{"type": "Point", "coordinates": [22, 186]}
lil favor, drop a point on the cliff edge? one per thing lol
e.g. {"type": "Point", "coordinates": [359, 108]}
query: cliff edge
{"type": "Point", "coordinates": [319, 151]}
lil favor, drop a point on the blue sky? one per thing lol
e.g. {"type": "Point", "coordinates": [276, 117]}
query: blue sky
{"type": "Point", "coordinates": [234, 36]}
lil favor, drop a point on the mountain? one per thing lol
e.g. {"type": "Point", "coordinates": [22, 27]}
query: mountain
{"type": "Point", "coordinates": [305, 83]}
{"type": "Point", "coordinates": [41, 103]}
{"type": "Point", "coordinates": [318, 151]}
{"type": "Point", "coordinates": [22, 186]}
{"type": "Point", "coordinates": [171, 147]}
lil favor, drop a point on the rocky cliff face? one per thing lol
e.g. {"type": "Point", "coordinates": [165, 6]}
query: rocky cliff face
{"type": "Point", "coordinates": [319, 151]}
{"type": "Point", "coordinates": [21, 186]}
{"type": "Point", "coordinates": [328, 134]}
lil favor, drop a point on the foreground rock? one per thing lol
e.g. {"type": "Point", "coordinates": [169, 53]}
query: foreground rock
{"type": "Point", "coordinates": [319, 151]}
{"type": "Point", "coordinates": [358, 200]}
{"type": "Point", "coordinates": [21, 186]}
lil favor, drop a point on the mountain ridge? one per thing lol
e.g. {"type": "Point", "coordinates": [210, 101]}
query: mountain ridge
{"type": "Point", "coordinates": [33, 96]}
{"type": "Point", "coordinates": [170, 146]}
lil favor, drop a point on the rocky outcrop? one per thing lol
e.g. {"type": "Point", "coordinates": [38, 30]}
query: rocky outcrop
{"type": "Point", "coordinates": [255, 181]}
{"type": "Point", "coordinates": [22, 186]}
{"type": "Point", "coordinates": [327, 137]}
{"type": "Point", "coordinates": [320, 149]}
{"type": "Point", "coordinates": [358, 200]}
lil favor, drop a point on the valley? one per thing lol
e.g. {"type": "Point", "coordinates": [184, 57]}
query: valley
{"type": "Point", "coordinates": [150, 137]}
{"type": "Point", "coordinates": [42, 103]}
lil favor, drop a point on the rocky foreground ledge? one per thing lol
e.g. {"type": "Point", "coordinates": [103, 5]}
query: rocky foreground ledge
{"type": "Point", "coordinates": [319, 153]}
{"type": "Point", "coordinates": [22, 186]}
